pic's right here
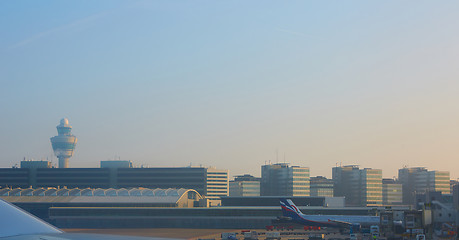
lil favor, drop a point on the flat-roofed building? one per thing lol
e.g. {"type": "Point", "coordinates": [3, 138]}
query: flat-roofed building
{"type": "Point", "coordinates": [456, 196]}
{"type": "Point", "coordinates": [244, 185]}
{"type": "Point", "coordinates": [452, 183]}
{"type": "Point", "coordinates": [209, 182]}
{"type": "Point", "coordinates": [371, 187]}
{"type": "Point", "coordinates": [346, 183]}
{"type": "Point", "coordinates": [182, 177]}
{"type": "Point", "coordinates": [71, 177]}
{"type": "Point", "coordinates": [15, 177]}
{"type": "Point", "coordinates": [361, 187]}
{"type": "Point", "coordinates": [391, 192]}
{"type": "Point", "coordinates": [216, 185]}
{"type": "Point", "coordinates": [439, 181]}
{"type": "Point", "coordinates": [321, 187]}
{"type": "Point", "coordinates": [35, 164]}
{"type": "Point", "coordinates": [281, 179]}
{"type": "Point", "coordinates": [116, 164]}
{"type": "Point", "coordinates": [418, 180]}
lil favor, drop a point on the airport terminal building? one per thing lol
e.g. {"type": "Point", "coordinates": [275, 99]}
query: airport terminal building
{"type": "Point", "coordinates": [209, 182]}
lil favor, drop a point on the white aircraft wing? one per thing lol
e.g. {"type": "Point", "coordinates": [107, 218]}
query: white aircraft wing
{"type": "Point", "coordinates": [17, 224]}
{"type": "Point", "coordinates": [15, 221]}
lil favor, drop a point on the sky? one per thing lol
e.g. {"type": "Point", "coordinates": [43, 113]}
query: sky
{"type": "Point", "coordinates": [233, 84]}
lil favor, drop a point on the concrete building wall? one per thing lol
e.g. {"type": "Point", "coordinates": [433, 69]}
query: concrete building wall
{"type": "Point", "coordinates": [420, 180]}
{"type": "Point", "coordinates": [280, 179]}
{"type": "Point", "coordinates": [211, 183]}
{"type": "Point", "coordinates": [456, 196]}
{"type": "Point", "coordinates": [360, 187]}
{"type": "Point", "coordinates": [371, 187]}
{"type": "Point", "coordinates": [321, 187]}
{"type": "Point", "coordinates": [244, 188]}
{"type": "Point", "coordinates": [244, 185]}
{"type": "Point", "coordinates": [392, 192]}
{"type": "Point", "coordinates": [116, 164]}
{"type": "Point", "coordinates": [439, 181]}
{"type": "Point", "coordinates": [35, 164]}
{"type": "Point", "coordinates": [216, 184]}
{"type": "Point", "coordinates": [346, 184]}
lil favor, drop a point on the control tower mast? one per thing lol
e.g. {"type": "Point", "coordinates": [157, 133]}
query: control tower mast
{"type": "Point", "coordinates": [64, 143]}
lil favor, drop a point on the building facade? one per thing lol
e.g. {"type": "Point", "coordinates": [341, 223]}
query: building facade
{"type": "Point", "coordinates": [35, 164]}
{"type": "Point", "coordinates": [360, 187]}
{"type": "Point", "coordinates": [346, 183]}
{"type": "Point", "coordinates": [321, 187]}
{"type": "Point", "coordinates": [456, 196]}
{"type": "Point", "coordinates": [216, 184]}
{"type": "Point", "coordinates": [244, 186]}
{"type": "Point", "coordinates": [210, 183]}
{"type": "Point", "coordinates": [280, 179]}
{"type": "Point", "coordinates": [371, 187]}
{"type": "Point", "coordinates": [420, 180]}
{"type": "Point", "coordinates": [439, 181]}
{"type": "Point", "coordinates": [391, 192]}
{"type": "Point", "coordinates": [116, 164]}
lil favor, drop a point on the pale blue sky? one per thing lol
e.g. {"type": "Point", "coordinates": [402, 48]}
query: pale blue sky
{"type": "Point", "coordinates": [229, 83]}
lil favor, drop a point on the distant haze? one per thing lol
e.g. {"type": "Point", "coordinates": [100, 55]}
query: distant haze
{"type": "Point", "coordinates": [233, 84]}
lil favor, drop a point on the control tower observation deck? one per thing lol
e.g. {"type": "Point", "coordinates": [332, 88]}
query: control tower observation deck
{"type": "Point", "coordinates": [64, 143]}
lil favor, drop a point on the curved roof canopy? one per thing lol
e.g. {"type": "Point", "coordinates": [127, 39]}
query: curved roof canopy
{"type": "Point", "coordinates": [157, 195]}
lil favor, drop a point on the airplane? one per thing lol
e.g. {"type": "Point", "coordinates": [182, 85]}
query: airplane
{"type": "Point", "coordinates": [17, 224]}
{"type": "Point", "coordinates": [292, 213]}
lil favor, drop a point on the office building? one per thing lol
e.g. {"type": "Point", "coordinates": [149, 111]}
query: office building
{"type": "Point", "coordinates": [456, 196]}
{"type": "Point", "coordinates": [15, 177]}
{"type": "Point", "coordinates": [452, 183]}
{"type": "Point", "coordinates": [371, 187]}
{"type": "Point", "coordinates": [321, 187]}
{"type": "Point", "coordinates": [115, 164]}
{"type": "Point", "coordinates": [411, 180]}
{"type": "Point", "coordinates": [419, 180]}
{"type": "Point", "coordinates": [391, 192]}
{"type": "Point", "coordinates": [244, 186]}
{"type": "Point", "coordinates": [439, 181]}
{"type": "Point", "coordinates": [346, 183]}
{"type": "Point", "coordinates": [360, 187]}
{"type": "Point", "coordinates": [280, 179]}
{"type": "Point", "coordinates": [64, 143]}
{"type": "Point", "coordinates": [216, 184]}
{"type": "Point", "coordinates": [35, 164]}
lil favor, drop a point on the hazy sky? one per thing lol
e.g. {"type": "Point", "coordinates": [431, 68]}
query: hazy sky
{"type": "Point", "coordinates": [231, 83]}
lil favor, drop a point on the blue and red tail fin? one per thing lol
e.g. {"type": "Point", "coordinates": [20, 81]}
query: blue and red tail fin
{"type": "Point", "coordinates": [289, 209]}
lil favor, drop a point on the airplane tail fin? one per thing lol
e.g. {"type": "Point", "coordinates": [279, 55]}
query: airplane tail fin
{"type": "Point", "coordinates": [289, 209]}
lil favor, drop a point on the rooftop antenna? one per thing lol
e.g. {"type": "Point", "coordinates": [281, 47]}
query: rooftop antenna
{"type": "Point", "coordinates": [284, 157]}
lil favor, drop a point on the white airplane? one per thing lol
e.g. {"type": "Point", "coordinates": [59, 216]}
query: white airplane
{"type": "Point", "coordinates": [17, 224]}
{"type": "Point", "coordinates": [291, 212]}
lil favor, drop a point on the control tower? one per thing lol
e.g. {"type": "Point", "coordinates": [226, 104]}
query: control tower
{"type": "Point", "coordinates": [64, 143]}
